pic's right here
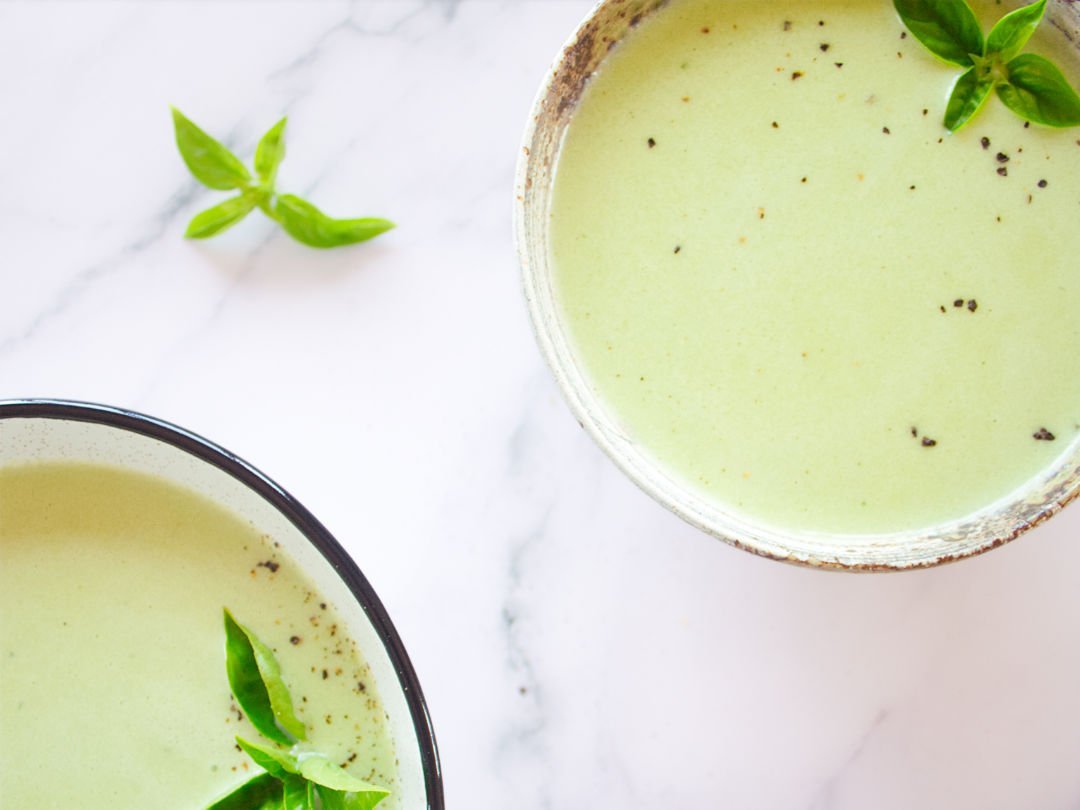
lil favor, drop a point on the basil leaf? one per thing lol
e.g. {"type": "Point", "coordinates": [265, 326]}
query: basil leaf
{"type": "Point", "coordinates": [296, 793]}
{"type": "Point", "coordinates": [271, 151]}
{"type": "Point", "coordinates": [319, 769]}
{"type": "Point", "coordinates": [341, 800]}
{"type": "Point", "coordinates": [1037, 91]}
{"type": "Point", "coordinates": [307, 224]}
{"type": "Point", "coordinates": [220, 217]}
{"type": "Point", "coordinates": [947, 27]}
{"type": "Point", "coordinates": [255, 678]}
{"type": "Point", "coordinates": [1011, 33]}
{"type": "Point", "coordinates": [275, 762]}
{"type": "Point", "coordinates": [968, 95]}
{"type": "Point", "coordinates": [212, 164]}
{"type": "Point", "coordinates": [255, 794]}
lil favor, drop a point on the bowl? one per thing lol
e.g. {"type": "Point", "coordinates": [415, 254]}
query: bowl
{"type": "Point", "coordinates": [61, 431]}
{"type": "Point", "coordinates": [555, 106]}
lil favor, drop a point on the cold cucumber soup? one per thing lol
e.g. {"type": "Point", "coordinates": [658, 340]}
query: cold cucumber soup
{"type": "Point", "coordinates": [114, 692]}
{"type": "Point", "coordinates": [795, 290]}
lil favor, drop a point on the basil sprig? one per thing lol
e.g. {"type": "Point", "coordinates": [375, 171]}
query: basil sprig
{"type": "Point", "coordinates": [216, 167]}
{"type": "Point", "coordinates": [1029, 85]}
{"type": "Point", "coordinates": [294, 777]}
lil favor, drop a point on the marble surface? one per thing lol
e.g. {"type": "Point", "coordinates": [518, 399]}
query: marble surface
{"type": "Point", "coordinates": [579, 646]}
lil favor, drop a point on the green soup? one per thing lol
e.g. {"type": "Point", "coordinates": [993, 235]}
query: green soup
{"type": "Point", "coordinates": [795, 290]}
{"type": "Point", "coordinates": [113, 690]}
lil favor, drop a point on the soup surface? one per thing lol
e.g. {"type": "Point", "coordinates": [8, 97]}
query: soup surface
{"type": "Point", "coordinates": [113, 691]}
{"type": "Point", "coordinates": [795, 290]}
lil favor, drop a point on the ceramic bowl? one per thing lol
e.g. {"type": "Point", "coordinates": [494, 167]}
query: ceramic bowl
{"type": "Point", "coordinates": [45, 430]}
{"type": "Point", "coordinates": [583, 54]}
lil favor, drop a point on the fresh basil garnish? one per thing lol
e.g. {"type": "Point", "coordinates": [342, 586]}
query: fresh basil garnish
{"type": "Point", "coordinates": [294, 778]}
{"type": "Point", "coordinates": [1029, 85]}
{"type": "Point", "coordinates": [216, 167]}
{"type": "Point", "coordinates": [255, 679]}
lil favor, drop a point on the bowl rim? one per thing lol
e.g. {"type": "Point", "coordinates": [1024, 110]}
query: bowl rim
{"type": "Point", "coordinates": [304, 521]}
{"type": "Point", "coordinates": [556, 98]}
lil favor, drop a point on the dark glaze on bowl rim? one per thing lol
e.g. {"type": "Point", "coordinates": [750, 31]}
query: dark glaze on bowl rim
{"type": "Point", "coordinates": [301, 518]}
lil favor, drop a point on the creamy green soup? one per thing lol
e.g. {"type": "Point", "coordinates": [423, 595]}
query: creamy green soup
{"type": "Point", "coordinates": [796, 291]}
{"type": "Point", "coordinates": [113, 692]}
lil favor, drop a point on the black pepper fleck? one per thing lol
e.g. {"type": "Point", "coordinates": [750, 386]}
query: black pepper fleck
{"type": "Point", "coordinates": [325, 674]}
{"type": "Point", "coordinates": [678, 248]}
{"type": "Point", "coordinates": [796, 75]}
{"type": "Point", "coordinates": [775, 125]}
{"type": "Point", "coordinates": [651, 142]}
{"type": "Point", "coordinates": [915, 433]}
{"type": "Point", "coordinates": [972, 306]}
{"type": "Point", "coordinates": [1004, 172]}
{"type": "Point", "coordinates": [1042, 184]}
{"type": "Point", "coordinates": [985, 142]}
{"type": "Point", "coordinates": [1002, 157]}
{"type": "Point", "coordinates": [294, 640]}
{"type": "Point", "coordinates": [927, 442]}
{"type": "Point", "coordinates": [1043, 435]}
{"type": "Point", "coordinates": [903, 35]}
{"type": "Point", "coordinates": [959, 302]}
{"type": "Point", "coordinates": [824, 46]}
{"type": "Point", "coordinates": [839, 64]}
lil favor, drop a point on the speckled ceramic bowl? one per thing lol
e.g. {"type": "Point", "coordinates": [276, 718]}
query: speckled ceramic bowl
{"type": "Point", "coordinates": [46, 430]}
{"type": "Point", "coordinates": [554, 107]}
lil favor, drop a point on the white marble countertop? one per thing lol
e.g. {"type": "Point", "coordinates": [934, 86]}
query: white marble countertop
{"type": "Point", "coordinates": [579, 646]}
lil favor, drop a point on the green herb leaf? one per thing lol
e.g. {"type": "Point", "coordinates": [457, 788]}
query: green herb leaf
{"type": "Point", "coordinates": [220, 217]}
{"type": "Point", "coordinates": [212, 164]}
{"type": "Point", "coordinates": [947, 27]}
{"type": "Point", "coordinates": [306, 223]}
{"type": "Point", "coordinates": [279, 764]}
{"type": "Point", "coordinates": [270, 152]}
{"type": "Point", "coordinates": [255, 679]}
{"type": "Point", "coordinates": [1011, 33]}
{"type": "Point", "coordinates": [968, 95]}
{"type": "Point", "coordinates": [340, 800]}
{"type": "Point", "coordinates": [1037, 91]}
{"type": "Point", "coordinates": [297, 795]}
{"type": "Point", "coordinates": [256, 794]}
{"type": "Point", "coordinates": [319, 769]}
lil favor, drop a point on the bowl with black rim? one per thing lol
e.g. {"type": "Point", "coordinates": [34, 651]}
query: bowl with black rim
{"type": "Point", "coordinates": [57, 431]}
